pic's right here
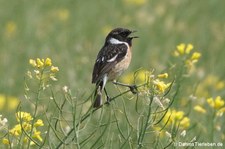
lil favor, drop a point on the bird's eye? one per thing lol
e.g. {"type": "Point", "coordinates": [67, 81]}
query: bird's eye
{"type": "Point", "coordinates": [125, 34]}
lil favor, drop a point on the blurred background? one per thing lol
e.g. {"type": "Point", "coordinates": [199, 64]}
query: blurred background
{"type": "Point", "coordinates": [71, 33]}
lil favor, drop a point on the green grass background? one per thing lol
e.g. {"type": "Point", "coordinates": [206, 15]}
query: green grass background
{"type": "Point", "coordinates": [73, 43]}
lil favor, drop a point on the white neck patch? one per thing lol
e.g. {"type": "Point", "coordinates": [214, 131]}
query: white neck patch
{"type": "Point", "coordinates": [116, 41]}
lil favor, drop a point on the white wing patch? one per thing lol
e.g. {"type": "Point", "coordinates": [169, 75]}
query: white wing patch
{"type": "Point", "coordinates": [112, 59]}
{"type": "Point", "coordinates": [100, 59]}
{"type": "Point", "coordinates": [116, 41]}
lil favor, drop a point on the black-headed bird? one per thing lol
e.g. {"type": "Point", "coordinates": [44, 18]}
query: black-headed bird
{"type": "Point", "coordinates": [112, 60]}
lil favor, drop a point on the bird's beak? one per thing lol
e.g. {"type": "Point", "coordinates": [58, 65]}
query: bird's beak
{"type": "Point", "coordinates": [133, 36]}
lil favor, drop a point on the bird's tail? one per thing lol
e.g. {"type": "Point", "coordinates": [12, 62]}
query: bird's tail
{"type": "Point", "coordinates": [98, 96]}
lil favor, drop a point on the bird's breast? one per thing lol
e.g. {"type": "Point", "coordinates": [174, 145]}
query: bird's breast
{"type": "Point", "coordinates": [121, 66]}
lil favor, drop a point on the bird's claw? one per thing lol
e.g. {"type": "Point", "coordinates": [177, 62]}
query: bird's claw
{"type": "Point", "coordinates": [108, 99]}
{"type": "Point", "coordinates": [134, 89]}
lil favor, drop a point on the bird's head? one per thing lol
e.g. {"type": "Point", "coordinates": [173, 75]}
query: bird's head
{"type": "Point", "coordinates": [119, 35]}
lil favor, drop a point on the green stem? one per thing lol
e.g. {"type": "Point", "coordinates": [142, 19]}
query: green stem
{"type": "Point", "coordinates": [35, 107]}
{"type": "Point", "coordinates": [143, 131]}
{"type": "Point", "coordinates": [89, 113]}
{"type": "Point", "coordinates": [212, 126]}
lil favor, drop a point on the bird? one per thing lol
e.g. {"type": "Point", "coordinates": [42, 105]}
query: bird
{"type": "Point", "coordinates": [112, 60]}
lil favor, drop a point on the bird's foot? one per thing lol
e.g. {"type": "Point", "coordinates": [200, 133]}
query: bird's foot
{"type": "Point", "coordinates": [108, 99]}
{"type": "Point", "coordinates": [133, 89]}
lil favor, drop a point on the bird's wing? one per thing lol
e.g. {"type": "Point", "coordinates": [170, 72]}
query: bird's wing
{"type": "Point", "coordinates": [107, 58]}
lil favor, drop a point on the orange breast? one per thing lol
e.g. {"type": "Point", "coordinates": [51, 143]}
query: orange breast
{"type": "Point", "coordinates": [120, 67]}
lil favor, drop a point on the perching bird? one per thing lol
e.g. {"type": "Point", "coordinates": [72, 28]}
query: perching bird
{"type": "Point", "coordinates": [113, 58]}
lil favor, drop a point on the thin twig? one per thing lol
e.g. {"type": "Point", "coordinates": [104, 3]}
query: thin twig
{"type": "Point", "coordinates": [90, 112]}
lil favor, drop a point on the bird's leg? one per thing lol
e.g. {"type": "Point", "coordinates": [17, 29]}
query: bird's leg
{"type": "Point", "coordinates": [133, 88]}
{"type": "Point", "coordinates": [107, 96]}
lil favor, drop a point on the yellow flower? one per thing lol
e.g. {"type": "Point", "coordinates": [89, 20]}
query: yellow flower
{"type": "Point", "coordinates": [219, 103]}
{"type": "Point", "coordinates": [24, 116]}
{"type": "Point", "coordinates": [54, 69]}
{"type": "Point", "coordinates": [210, 102]}
{"type": "Point", "coordinates": [128, 78]}
{"type": "Point", "coordinates": [37, 135]}
{"type": "Point", "coordinates": [181, 48]}
{"type": "Point", "coordinates": [189, 48]}
{"type": "Point", "coordinates": [40, 63]}
{"type": "Point", "coordinates": [33, 62]}
{"type": "Point", "coordinates": [26, 126]}
{"type": "Point", "coordinates": [185, 122]}
{"type": "Point", "coordinates": [142, 76]}
{"type": "Point", "coordinates": [216, 103]}
{"type": "Point", "coordinates": [160, 85]}
{"type": "Point", "coordinates": [164, 75]}
{"type": "Point", "coordinates": [139, 77]}
{"type": "Point", "coordinates": [176, 117]}
{"type": "Point", "coordinates": [25, 140]}
{"type": "Point", "coordinates": [5, 141]}
{"type": "Point", "coordinates": [38, 123]}
{"type": "Point", "coordinates": [16, 130]}
{"type": "Point", "coordinates": [199, 109]}
{"type": "Point", "coordinates": [168, 117]}
{"type": "Point", "coordinates": [48, 62]}
{"type": "Point", "coordinates": [195, 57]}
